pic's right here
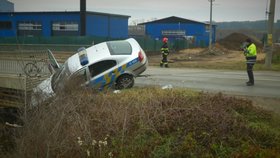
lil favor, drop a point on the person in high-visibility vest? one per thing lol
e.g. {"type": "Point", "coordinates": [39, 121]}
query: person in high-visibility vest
{"type": "Point", "coordinates": [250, 52]}
{"type": "Point", "coordinates": [164, 52]}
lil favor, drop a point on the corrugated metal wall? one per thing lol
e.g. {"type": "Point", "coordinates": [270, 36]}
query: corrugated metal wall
{"type": "Point", "coordinates": [107, 26]}
{"type": "Point", "coordinates": [198, 30]}
{"type": "Point", "coordinates": [46, 20]}
{"type": "Point", "coordinates": [97, 25]}
{"type": "Point", "coordinates": [118, 27]}
{"type": "Point", "coordinates": [100, 25]}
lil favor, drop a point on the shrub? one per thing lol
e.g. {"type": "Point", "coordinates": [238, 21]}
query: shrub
{"type": "Point", "coordinates": [147, 122]}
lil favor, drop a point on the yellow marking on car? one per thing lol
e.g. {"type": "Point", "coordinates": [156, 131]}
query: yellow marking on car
{"type": "Point", "coordinates": [107, 79]}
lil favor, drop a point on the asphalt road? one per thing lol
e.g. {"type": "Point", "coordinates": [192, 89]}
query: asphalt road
{"type": "Point", "coordinates": [267, 83]}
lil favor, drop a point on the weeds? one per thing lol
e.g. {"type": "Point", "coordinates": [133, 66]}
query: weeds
{"type": "Point", "coordinates": [147, 122]}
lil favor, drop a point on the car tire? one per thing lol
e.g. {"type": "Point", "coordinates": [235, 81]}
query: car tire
{"type": "Point", "coordinates": [124, 82]}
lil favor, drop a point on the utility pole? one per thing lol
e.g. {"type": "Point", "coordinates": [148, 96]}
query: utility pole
{"type": "Point", "coordinates": [268, 56]}
{"type": "Point", "coordinates": [210, 28]}
{"type": "Point", "coordinates": [83, 13]}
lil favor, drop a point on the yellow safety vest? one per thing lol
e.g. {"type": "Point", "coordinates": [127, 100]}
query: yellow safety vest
{"type": "Point", "coordinates": [251, 50]}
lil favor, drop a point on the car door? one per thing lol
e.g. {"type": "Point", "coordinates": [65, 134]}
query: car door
{"type": "Point", "coordinates": [53, 62]}
{"type": "Point", "coordinates": [80, 78]}
{"type": "Point", "coordinates": [103, 73]}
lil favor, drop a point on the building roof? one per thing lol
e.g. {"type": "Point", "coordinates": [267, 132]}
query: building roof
{"type": "Point", "coordinates": [6, 1]}
{"type": "Point", "coordinates": [90, 12]}
{"type": "Point", "coordinates": [66, 12]}
{"type": "Point", "coordinates": [173, 19]}
{"type": "Point", "coordinates": [6, 6]}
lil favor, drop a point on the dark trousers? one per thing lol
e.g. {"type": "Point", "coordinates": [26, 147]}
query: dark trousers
{"type": "Point", "coordinates": [250, 72]}
{"type": "Point", "coordinates": [164, 60]}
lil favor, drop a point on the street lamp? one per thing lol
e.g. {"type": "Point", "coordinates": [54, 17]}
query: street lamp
{"type": "Point", "coordinates": [210, 28]}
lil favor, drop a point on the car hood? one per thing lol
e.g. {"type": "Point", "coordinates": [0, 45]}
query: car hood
{"type": "Point", "coordinates": [42, 92]}
{"type": "Point", "coordinates": [44, 87]}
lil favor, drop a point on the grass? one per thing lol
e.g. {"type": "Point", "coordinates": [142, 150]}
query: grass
{"type": "Point", "coordinates": [222, 65]}
{"type": "Point", "coordinates": [147, 122]}
{"type": "Point", "coordinates": [220, 58]}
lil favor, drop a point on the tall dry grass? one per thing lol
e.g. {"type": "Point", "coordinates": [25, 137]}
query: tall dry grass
{"type": "Point", "coordinates": [146, 122]}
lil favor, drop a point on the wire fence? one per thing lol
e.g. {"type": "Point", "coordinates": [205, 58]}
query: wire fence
{"type": "Point", "coordinates": [15, 83]}
{"type": "Point", "coordinates": [15, 63]}
{"type": "Point", "coordinates": [74, 43]}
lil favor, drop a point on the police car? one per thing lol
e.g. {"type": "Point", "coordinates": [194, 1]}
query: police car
{"type": "Point", "coordinates": [109, 64]}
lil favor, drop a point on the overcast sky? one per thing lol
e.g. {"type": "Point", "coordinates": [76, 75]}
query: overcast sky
{"type": "Point", "coordinates": [223, 10]}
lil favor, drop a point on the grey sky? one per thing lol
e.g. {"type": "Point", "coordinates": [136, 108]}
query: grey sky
{"type": "Point", "coordinates": [223, 10]}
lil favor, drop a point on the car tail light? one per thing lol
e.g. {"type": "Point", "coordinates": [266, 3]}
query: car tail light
{"type": "Point", "coordinates": [140, 56]}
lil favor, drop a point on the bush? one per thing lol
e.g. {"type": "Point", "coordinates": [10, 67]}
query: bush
{"type": "Point", "coordinates": [147, 122]}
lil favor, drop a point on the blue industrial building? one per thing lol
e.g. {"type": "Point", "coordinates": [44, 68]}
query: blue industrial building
{"type": "Point", "coordinates": [180, 28]}
{"type": "Point", "coordinates": [49, 24]}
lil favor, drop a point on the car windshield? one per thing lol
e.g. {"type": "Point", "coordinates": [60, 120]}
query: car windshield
{"type": "Point", "coordinates": [60, 76]}
{"type": "Point", "coordinates": [119, 48]}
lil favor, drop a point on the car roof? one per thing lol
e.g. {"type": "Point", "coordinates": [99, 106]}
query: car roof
{"type": "Point", "coordinates": [95, 53]}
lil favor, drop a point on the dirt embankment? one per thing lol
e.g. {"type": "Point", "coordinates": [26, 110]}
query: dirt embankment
{"type": "Point", "coordinates": [234, 41]}
{"type": "Point", "coordinates": [225, 50]}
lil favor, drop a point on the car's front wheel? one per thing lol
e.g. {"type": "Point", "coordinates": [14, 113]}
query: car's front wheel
{"type": "Point", "coordinates": [124, 81]}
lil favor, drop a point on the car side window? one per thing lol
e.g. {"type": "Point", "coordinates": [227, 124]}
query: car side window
{"type": "Point", "coordinates": [79, 77]}
{"type": "Point", "coordinates": [99, 67]}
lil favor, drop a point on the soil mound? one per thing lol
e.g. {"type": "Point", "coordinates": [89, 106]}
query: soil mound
{"type": "Point", "coordinates": [234, 41]}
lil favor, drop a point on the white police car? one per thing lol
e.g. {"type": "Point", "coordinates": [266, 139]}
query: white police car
{"type": "Point", "coordinates": [108, 64]}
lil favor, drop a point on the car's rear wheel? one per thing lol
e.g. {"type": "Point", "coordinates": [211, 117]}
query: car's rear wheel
{"type": "Point", "coordinates": [125, 81]}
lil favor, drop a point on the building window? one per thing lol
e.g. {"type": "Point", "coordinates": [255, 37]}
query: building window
{"type": "Point", "coordinates": [65, 28]}
{"type": "Point", "coordinates": [173, 33]}
{"type": "Point", "coordinates": [29, 25]}
{"type": "Point", "coordinates": [29, 28]}
{"type": "Point", "coordinates": [5, 25]}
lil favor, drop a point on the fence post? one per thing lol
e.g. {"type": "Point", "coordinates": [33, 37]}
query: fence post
{"type": "Point", "coordinates": [25, 96]}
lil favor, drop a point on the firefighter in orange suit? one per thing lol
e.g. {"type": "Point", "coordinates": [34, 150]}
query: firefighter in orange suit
{"type": "Point", "coordinates": [164, 52]}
